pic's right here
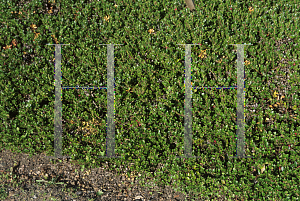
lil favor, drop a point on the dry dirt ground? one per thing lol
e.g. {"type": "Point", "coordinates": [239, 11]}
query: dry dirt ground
{"type": "Point", "coordinates": [74, 184]}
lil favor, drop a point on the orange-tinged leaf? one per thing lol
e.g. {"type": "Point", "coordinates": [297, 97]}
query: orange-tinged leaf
{"type": "Point", "coordinates": [50, 11]}
{"type": "Point", "coordinates": [14, 42]}
{"type": "Point", "coordinates": [7, 47]}
{"type": "Point", "coordinates": [36, 35]}
{"type": "Point", "coordinates": [33, 26]}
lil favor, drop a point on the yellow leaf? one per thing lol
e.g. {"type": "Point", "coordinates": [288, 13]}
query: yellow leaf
{"type": "Point", "coordinates": [33, 26]}
{"type": "Point", "coordinates": [247, 62]}
{"type": "Point", "coordinates": [151, 31]}
{"type": "Point", "coordinates": [106, 18]}
{"type": "Point", "coordinates": [275, 94]}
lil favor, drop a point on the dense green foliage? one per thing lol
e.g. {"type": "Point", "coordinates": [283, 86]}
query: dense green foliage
{"type": "Point", "coordinates": [149, 89]}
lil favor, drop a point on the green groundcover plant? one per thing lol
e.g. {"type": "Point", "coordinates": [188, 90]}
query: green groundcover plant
{"type": "Point", "coordinates": [149, 89]}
